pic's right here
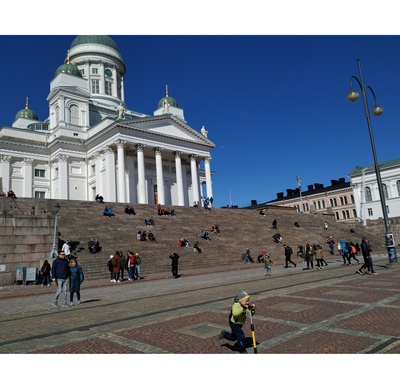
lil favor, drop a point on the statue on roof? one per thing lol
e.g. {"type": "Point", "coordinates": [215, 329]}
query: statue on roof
{"type": "Point", "coordinates": [121, 111]}
{"type": "Point", "coordinates": [204, 132]}
{"type": "Point", "coordinates": [165, 106]}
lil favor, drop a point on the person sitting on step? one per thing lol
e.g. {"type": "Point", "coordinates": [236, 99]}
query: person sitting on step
{"type": "Point", "coordinates": [108, 212]}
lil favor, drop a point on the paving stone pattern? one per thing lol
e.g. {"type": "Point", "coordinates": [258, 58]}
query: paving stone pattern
{"type": "Point", "coordinates": [334, 311]}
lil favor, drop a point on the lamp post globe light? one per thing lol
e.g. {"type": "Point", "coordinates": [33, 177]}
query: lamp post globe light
{"type": "Point", "coordinates": [377, 110]}
{"type": "Point", "coordinates": [54, 251]}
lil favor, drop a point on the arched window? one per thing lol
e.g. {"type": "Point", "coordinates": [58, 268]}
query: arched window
{"type": "Point", "coordinates": [331, 201]}
{"type": "Point", "coordinates": [74, 114]}
{"type": "Point", "coordinates": [398, 187]}
{"type": "Point", "coordinates": [337, 216]}
{"type": "Point", "coordinates": [385, 191]}
{"type": "Point", "coordinates": [352, 199]}
{"type": "Point", "coordinates": [345, 200]}
{"type": "Point", "coordinates": [341, 201]}
{"type": "Point", "coordinates": [368, 194]}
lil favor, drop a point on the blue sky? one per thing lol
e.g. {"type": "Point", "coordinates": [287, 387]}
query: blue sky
{"type": "Point", "coordinates": [275, 105]}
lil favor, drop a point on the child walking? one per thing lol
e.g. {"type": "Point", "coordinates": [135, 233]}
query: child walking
{"type": "Point", "coordinates": [267, 264]}
{"type": "Point", "coordinates": [240, 310]}
{"type": "Point", "coordinates": [75, 281]}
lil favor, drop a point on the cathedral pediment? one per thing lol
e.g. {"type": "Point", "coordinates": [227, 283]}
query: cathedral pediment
{"type": "Point", "coordinates": [168, 126]}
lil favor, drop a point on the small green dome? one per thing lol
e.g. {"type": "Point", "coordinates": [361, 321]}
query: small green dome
{"type": "Point", "coordinates": [26, 113]}
{"type": "Point", "coordinates": [170, 100]}
{"type": "Point", "coordinates": [68, 68]}
{"type": "Point", "coordinates": [104, 40]}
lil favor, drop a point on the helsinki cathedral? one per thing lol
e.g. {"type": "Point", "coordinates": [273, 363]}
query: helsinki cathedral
{"type": "Point", "coordinates": [92, 143]}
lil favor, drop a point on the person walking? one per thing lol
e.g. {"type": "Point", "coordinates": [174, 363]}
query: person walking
{"type": "Point", "coordinates": [174, 265]}
{"type": "Point", "coordinates": [241, 308]}
{"type": "Point", "coordinates": [75, 281]}
{"type": "Point", "coordinates": [60, 274]}
{"type": "Point", "coordinates": [345, 253]}
{"type": "Point", "coordinates": [366, 253]}
{"type": "Point", "coordinates": [319, 256]}
{"type": "Point", "coordinates": [67, 249]}
{"type": "Point", "coordinates": [308, 257]}
{"type": "Point", "coordinates": [288, 254]}
{"type": "Point", "coordinates": [267, 264]}
{"type": "Point", "coordinates": [352, 252]}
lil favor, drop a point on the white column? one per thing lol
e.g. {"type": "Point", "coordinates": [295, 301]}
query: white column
{"type": "Point", "coordinates": [122, 89]}
{"type": "Point", "coordinates": [141, 175]}
{"type": "Point", "coordinates": [207, 169]}
{"type": "Point", "coordinates": [109, 184]}
{"type": "Point", "coordinates": [132, 181]}
{"type": "Point", "coordinates": [195, 179]}
{"type": "Point", "coordinates": [179, 180]}
{"type": "Point", "coordinates": [28, 179]}
{"type": "Point", "coordinates": [160, 177]}
{"type": "Point", "coordinates": [63, 177]}
{"type": "Point", "coordinates": [99, 181]}
{"type": "Point", "coordinates": [121, 172]}
{"type": "Point", "coordinates": [62, 109]}
{"type": "Point", "coordinates": [115, 82]}
{"type": "Point", "coordinates": [102, 79]}
{"type": "Point", "coordinates": [5, 172]}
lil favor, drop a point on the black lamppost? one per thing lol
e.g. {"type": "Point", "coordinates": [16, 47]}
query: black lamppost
{"type": "Point", "coordinates": [54, 251]}
{"type": "Point", "coordinates": [353, 96]}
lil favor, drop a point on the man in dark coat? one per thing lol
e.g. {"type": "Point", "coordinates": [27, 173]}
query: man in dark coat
{"type": "Point", "coordinates": [174, 264]}
{"type": "Point", "coordinates": [288, 254]}
{"type": "Point", "coordinates": [60, 274]}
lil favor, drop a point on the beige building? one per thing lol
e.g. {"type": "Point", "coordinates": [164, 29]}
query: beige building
{"type": "Point", "coordinates": [337, 199]}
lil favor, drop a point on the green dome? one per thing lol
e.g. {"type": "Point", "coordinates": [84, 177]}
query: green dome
{"type": "Point", "coordinates": [68, 68]}
{"type": "Point", "coordinates": [26, 113]}
{"type": "Point", "coordinates": [171, 101]}
{"type": "Point", "coordinates": [104, 40]}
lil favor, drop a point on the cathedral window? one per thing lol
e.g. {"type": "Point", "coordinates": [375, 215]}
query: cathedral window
{"type": "Point", "coordinates": [40, 173]}
{"type": "Point", "coordinates": [75, 115]}
{"type": "Point", "coordinates": [108, 88]}
{"type": "Point", "coordinates": [95, 86]}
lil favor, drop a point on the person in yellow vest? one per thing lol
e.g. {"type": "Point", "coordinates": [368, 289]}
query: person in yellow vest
{"type": "Point", "coordinates": [241, 308]}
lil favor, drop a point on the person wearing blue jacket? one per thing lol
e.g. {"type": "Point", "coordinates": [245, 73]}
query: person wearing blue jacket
{"type": "Point", "coordinates": [60, 274]}
{"type": "Point", "coordinates": [345, 253]}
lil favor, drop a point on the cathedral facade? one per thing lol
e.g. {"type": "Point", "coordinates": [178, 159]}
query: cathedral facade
{"type": "Point", "coordinates": [92, 143]}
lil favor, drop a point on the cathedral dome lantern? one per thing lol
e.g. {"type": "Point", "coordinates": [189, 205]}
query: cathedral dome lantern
{"type": "Point", "coordinates": [168, 105]}
{"type": "Point", "coordinates": [167, 100]}
{"type": "Point", "coordinates": [68, 68]}
{"type": "Point", "coordinates": [26, 113]}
